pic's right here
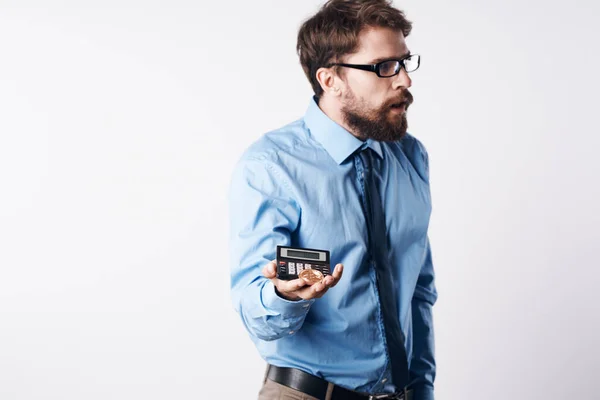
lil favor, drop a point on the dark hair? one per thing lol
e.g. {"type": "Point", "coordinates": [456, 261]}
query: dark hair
{"type": "Point", "coordinates": [333, 32]}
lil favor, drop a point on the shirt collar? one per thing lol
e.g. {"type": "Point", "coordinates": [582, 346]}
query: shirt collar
{"type": "Point", "coordinates": [336, 140]}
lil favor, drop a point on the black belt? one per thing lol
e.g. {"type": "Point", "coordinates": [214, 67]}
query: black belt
{"type": "Point", "coordinates": [317, 387]}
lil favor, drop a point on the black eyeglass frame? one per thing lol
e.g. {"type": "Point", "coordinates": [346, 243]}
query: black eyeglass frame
{"type": "Point", "coordinates": [376, 67]}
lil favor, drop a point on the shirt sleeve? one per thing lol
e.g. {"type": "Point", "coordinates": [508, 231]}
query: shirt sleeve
{"type": "Point", "coordinates": [262, 216]}
{"type": "Point", "coordinates": [422, 366]}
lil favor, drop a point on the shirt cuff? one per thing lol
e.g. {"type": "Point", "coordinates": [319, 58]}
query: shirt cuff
{"type": "Point", "coordinates": [283, 306]}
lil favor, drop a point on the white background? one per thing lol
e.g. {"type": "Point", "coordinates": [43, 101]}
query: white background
{"type": "Point", "coordinates": [120, 123]}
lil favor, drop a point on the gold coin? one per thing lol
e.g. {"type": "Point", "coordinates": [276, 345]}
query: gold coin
{"type": "Point", "coordinates": [311, 276]}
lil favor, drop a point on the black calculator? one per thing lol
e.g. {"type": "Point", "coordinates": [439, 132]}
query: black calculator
{"type": "Point", "coordinates": [292, 260]}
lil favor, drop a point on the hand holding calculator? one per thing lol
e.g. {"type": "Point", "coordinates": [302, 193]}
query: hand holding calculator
{"type": "Point", "coordinates": [291, 262]}
{"type": "Point", "coordinates": [311, 279]}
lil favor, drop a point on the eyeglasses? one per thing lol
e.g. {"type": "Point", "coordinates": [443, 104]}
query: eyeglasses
{"type": "Point", "coordinates": [387, 68]}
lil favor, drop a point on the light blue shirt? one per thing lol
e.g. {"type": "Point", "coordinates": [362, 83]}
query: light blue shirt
{"type": "Point", "coordinates": [300, 186]}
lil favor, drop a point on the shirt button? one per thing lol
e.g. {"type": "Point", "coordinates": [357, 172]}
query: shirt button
{"type": "Point", "coordinates": [306, 305]}
{"type": "Point", "coordinates": [291, 332]}
{"type": "Point", "coordinates": [362, 174]}
{"type": "Point", "coordinates": [384, 380]}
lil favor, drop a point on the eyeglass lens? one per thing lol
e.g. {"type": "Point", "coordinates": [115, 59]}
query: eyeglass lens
{"type": "Point", "coordinates": [390, 68]}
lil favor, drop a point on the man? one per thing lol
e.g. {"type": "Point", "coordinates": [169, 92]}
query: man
{"type": "Point", "coordinates": [347, 178]}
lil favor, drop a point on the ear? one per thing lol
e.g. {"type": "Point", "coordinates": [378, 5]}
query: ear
{"type": "Point", "coordinates": [329, 81]}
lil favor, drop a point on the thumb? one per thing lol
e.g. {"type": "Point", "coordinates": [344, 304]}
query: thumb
{"type": "Point", "coordinates": [270, 270]}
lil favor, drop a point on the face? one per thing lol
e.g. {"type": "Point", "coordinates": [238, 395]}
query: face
{"type": "Point", "coordinates": [371, 106]}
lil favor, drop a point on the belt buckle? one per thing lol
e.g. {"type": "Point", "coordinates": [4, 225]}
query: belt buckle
{"type": "Point", "coordinates": [387, 396]}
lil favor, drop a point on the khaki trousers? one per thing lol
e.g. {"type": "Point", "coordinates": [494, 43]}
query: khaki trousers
{"type": "Point", "coordinates": [274, 391]}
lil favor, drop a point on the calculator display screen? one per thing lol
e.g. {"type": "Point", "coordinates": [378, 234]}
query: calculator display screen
{"type": "Point", "coordinates": [305, 254]}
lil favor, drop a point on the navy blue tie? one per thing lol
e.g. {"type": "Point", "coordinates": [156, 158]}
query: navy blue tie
{"type": "Point", "coordinates": [379, 260]}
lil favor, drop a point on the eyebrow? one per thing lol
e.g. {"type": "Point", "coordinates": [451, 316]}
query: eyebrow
{"type": "Point", "coordinates": [380, 59]}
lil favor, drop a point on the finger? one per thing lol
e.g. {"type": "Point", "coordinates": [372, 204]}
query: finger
{"type": "Point", "coordinates": [290, 286]}
{"type": "Point", "coordinates": [311, 292]}
{"type": "Point", "coordinates": [328, 280]}
{"type": "Point", "coordinates": [337, 274]}
{"type": "Point", "coordinates": [319, 287]}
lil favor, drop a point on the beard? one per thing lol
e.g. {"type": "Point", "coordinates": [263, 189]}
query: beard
{"type": "Point", "coordinates": [383, 123]}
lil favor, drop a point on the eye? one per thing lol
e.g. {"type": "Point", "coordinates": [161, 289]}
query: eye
{"type": "Point", "coordinates": [388, 68]}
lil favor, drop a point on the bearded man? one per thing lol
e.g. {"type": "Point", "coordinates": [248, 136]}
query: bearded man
{"type": "Point", "coordinates": [346, 177]}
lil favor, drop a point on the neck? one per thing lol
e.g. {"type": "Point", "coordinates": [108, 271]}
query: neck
{"type": "Point", "coordinates": [332, 108]}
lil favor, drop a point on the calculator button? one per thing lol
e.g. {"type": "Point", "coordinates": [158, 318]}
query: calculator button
{"type": "Point", "coordinates": [300, 265]}
{"type": "Point", "coordinates": [292, 265]}
{"type": "Point", "coordinates": [307, 266]}
{"type": "Point", "coordinates": [292, 270]}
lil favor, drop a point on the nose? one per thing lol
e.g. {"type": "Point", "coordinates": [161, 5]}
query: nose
{"type": "Point", "coordinates": [402, 80]}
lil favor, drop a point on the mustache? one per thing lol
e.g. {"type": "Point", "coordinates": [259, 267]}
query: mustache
{"type": "Point", "coordinates": [406, 99]}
